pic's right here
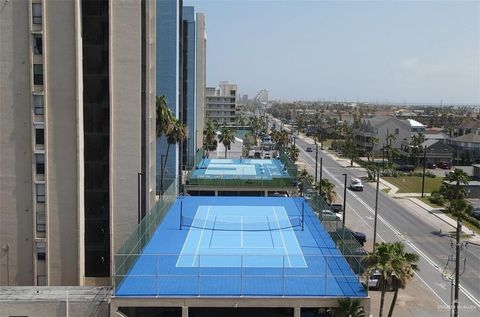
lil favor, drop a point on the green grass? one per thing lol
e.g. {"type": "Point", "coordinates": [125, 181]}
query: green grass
{"type": "Point", "coordinates": [413, 184]}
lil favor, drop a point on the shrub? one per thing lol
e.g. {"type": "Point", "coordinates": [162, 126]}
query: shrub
{"type": "Point", "coordinates": [436, 198]}
{"type": "Point", "coordinates": [430, 174]}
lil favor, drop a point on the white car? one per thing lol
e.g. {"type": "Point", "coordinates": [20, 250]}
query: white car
{"type": "Point", "coordinates": [356, 184]}
{"type": "Point", "coordinates": [329, 215]}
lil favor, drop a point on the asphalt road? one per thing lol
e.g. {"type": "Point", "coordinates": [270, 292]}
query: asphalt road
{"type": "Point", "coordinates": [398, 222]}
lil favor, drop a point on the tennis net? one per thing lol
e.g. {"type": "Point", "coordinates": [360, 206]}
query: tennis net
{"type": "Point", "coordinates": [241, 223]}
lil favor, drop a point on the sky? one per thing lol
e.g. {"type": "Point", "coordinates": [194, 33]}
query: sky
{"type": "Point", "coordinates": [385, 51]}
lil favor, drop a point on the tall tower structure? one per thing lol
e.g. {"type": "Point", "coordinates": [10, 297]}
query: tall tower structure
{"type": "Point", "coordinates": [77, 126]}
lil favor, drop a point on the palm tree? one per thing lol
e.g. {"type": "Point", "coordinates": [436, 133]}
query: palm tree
{"type": "Point", "coordinates": [350, 308]}
{"type": "Point", "coordinates": [328, 190]}
{"type": "Point", "coordinates": [393, 263]}
{"type": "Point", "coordinates": [293, 153]}
{"type": "Point", "coordinates": [416, 147]}
{"type": "Point", "coordinates": [165, 117]}
{"type": "Point", "coordinates": [373, 141]}
{"type": "Point", "coordinates": [304, 178]}
{"type": "Point", "coordinates": [403, 272]}
{"type": "Point", "coordinates": [210, 137]}
{"type": "Point", "coordinates": [177, 133]}
{"type": "Point", "coordinates": [227, 137]}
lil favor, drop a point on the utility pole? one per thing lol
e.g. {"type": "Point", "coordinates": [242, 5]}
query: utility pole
{"type": "Point", "coordinates": [376, 213]}
{"type": "Point", "coordinates": [457, 266]}
{"type": "Point", "coordinates": [316, 161]}
{"type": "Point", "coordinates": [344, 199]}
{"type": "Point", "coordinates": [320, 183]}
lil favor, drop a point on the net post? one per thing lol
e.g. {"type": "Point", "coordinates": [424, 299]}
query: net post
{"type": "Point", "coordinates": [181, 214]}
{"type": "Point", "coordinates": [303, 213]}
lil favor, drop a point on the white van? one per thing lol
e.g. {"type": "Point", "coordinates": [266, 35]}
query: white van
{"type": "Point", "coordinates": [356, 184]}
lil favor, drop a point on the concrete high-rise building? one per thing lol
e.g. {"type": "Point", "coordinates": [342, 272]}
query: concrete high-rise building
{"type": "Point", "coordinates": [189, 109]}
{"type": "Point", "coordinates": [77, 125]}
{"type": "Point", "coordinates": [201, 62]}
{"type": "Point", "coordinates": [220, 104]}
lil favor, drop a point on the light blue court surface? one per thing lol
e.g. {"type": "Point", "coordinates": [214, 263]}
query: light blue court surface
{"type": "Point", "coordinates": [251, 236]}
{"type": "Point", "coordinates": [238, 246]}
{"type": "Point", "coordinates": [239, 168]}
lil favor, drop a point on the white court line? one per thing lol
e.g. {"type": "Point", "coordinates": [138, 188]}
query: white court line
{"type": "Point", "coordinates": [201, 236]}
{"type": "Point", "coordinates": [283, 241]}
{"type": "Point", "coordinates": [187, 239]}
{"type": "Point", "coordinates": [241, 232]}
{"type": "Point", "coordinates": [388, 225]}
{"type": "Point", "coordinates": [296, 240]}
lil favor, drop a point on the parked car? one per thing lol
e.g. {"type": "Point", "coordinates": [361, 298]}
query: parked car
{"type": "Point", "coordinates": [444, 165]}
{"type": "Point", "coordinates": [309, 149]}
{"type": "Point", "coordinates": [359, 236]}
{"type": "Point", "coordinates": [356, 184]}
{"type": "Point", "coordinates": [431, 166]}
{"type": "Point", "coordinates": [405, 168]}
{"type": "Point", "coordinates": [476, 212]}
{"type": "Point", "coordinates": [328, 215]}
{"type": "Point", "coordinates": [374, 279]}
{"type": "Point", "coordinates": [336, 207]}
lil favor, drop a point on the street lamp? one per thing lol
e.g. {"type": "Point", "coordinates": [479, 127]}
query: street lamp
{"type": "Point", "coordinates": [383, 157]}
{"type": "Point", "coordinates": [424, 165]}
{"type": "Point", "coordinates": [344, 198]}
{"type": "Point", "coordinates": [376, 213]}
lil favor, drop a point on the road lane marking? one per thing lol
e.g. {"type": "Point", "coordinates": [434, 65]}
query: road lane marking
{"type": "Point", "coordinates": [472, 298]}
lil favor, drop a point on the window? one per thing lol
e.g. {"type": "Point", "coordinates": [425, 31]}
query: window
{"type": "Point", "coordinates": [41, 250]}
{"type": "Point", "coordinates": [38, 104]}
{"type": "Point", "coordinates": [37, 44]}
{"type": "Point", "coordinates": [40, 193]}
{"type": "Point", "coordinates": [40, 222]}
{"type": "Point", "coordinates": [39, 136]}
{"type": "Point", "coordinates": [397, 131]}
{"type": "Point", "coordinates": [37, 74]}
{"type": "Point", "coordinates": [36, 13]}
{"type": "Point", "coordinates": [40, 163]}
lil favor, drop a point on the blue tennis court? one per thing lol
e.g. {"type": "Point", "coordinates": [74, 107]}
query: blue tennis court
{"type": "Point", "coordinates": [239, 246]}
{"type": "Point", "coordinates": [239, 168]}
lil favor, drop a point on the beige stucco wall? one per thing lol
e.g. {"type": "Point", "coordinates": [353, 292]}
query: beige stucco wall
{"type": "Point", "coordinates": [125, 115]}
{"type": "Point", "coordinates": [16, 208]}
{"type": "Point", "coordinates": [61, 135]}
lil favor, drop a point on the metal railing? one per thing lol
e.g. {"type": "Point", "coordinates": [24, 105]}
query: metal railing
{"type": "Point", "coordinates": [141, 236]}
{"type": "Point", "coordinates": [342, 236]}
{"type": "Point", "coordinates": [238, 275]}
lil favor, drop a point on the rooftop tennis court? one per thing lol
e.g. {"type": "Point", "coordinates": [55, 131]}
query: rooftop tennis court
{"type": "Point", "coordinates": [253, 169]}
{"type": "Point", "coordinates": [231, 246]}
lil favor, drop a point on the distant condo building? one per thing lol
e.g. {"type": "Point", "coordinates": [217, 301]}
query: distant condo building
{"type": "Point", "coordinates": [201, 58]}
{"type": "Point", "coordinates": [221, 104]}
{"type": "Point", "coordinates": [77, 127]}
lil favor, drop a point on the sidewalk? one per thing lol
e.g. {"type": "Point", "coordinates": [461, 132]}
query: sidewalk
{"type": "Point", "coordinates": [437, 212]}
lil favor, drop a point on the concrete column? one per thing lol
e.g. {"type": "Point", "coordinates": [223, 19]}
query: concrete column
{"type": "Point", "coordinates": [184, 311]}
{"type": "Point", "coordinates": [296, 311]}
